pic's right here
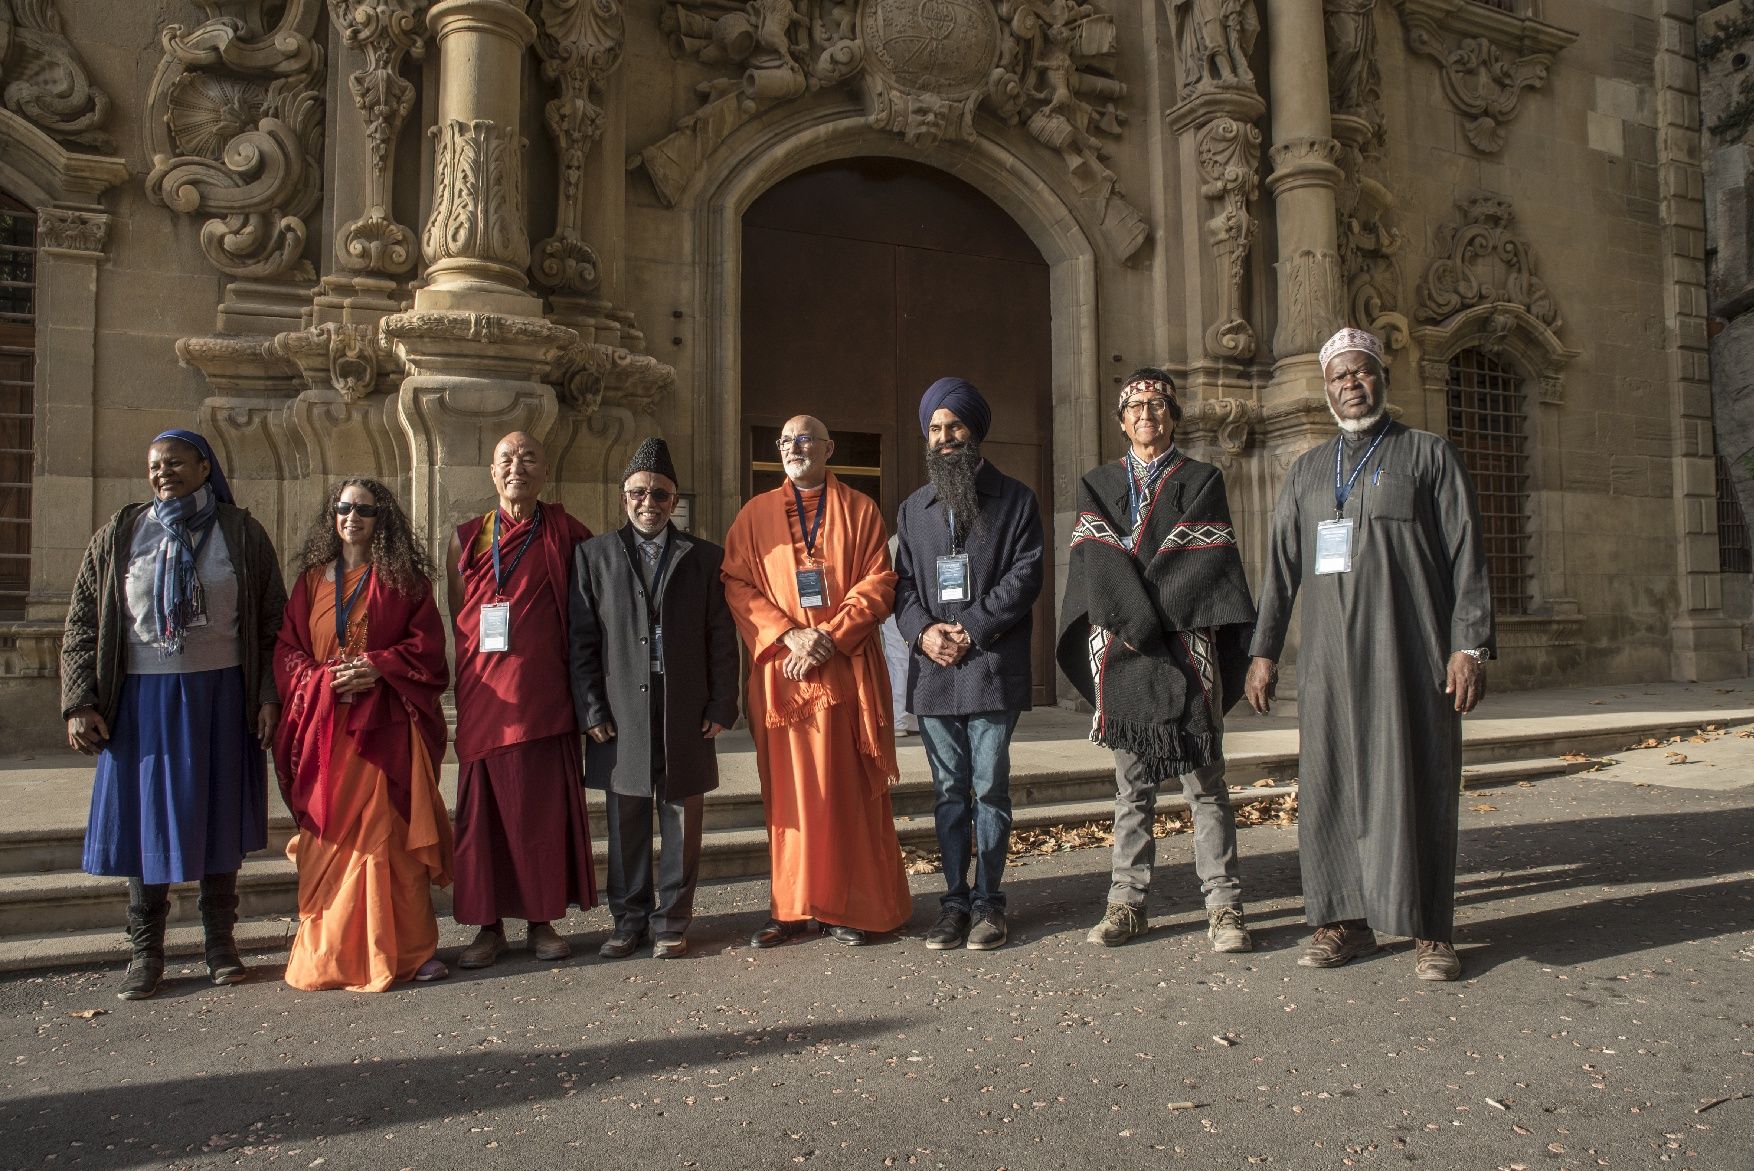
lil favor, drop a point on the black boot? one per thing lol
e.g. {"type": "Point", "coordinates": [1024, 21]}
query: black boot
{"type": "Point", "coordinates": [148, 904]}
{"type": "Point", "coordinates": [219, 914]}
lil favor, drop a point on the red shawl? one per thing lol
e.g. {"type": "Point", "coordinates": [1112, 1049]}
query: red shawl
{"type": "Point", "coordinates": [405, 640]}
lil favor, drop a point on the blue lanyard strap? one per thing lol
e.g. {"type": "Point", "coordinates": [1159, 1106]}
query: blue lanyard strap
{"type": "Point", "coordinates": [1343, 492]}
{"type": "Point", "coordinates": [814, 527]}
{"type": "Point", "coordinates": [344, 608]}
{"type": "Point", "coordinates": [499, 578]}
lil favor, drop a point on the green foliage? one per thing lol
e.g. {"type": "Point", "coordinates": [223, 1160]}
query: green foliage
{"type": "Point", "coordinates": [1736, 121]}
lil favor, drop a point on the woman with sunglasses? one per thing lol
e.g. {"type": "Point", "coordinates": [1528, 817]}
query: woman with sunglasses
{"type": "Point", "coordinates": [167, 678]}
{"type": "Point", "coordinates": [361, 662]}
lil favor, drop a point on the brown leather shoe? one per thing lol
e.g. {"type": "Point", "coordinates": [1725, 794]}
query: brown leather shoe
{"type": "Point", "coordinates": [484, 950]}
{"type": "Point", "coordinates": [1436, 960]}
{"type": "Point", "coordinates": [1337, 943]}
{"type": "Point", "coordinates": [669, 945]}
{"type": "Point", "coordinates": [546, 944]}
{"type": "Point", "coordinates": [778, 931]}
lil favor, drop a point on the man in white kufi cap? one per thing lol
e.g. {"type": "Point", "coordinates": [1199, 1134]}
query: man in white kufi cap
{"type": "Point", "coordinates": [1379, 529]}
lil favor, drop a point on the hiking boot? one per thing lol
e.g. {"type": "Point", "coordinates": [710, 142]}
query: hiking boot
{"type": "Point", "coordinates": [1119, 924]}
{"type": "Point", "coordinates": [1337, 943]}
{"type": "Point", "coordinates": [148, 906]}
{"type": "Point", "coordinates": [1436, 960]}
{"type": "Point", "coordinates": [219, 917]}
{"type": "Point", "coordinates": [1226, 930]}
{"type": "Point", "coordinates": [989, 931]}
{"type": "Point", "coordinates": [484, 950]}
{"type": "Point", "coordinates": [950, 931]}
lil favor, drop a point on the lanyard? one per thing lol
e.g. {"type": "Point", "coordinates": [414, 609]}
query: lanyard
{"type": "Point", "coordinates": [955, 545]}
{"type": "Point", "coordinates": [657, 575]}
{"type": "Point", "coordinates": [499, 578]}
{"type": "Point", "coordinates": [810, 530]}
{"type": "Point", "coordinates": [344, 609]}
{"type": "Point", "coordinates": [1344, 493]}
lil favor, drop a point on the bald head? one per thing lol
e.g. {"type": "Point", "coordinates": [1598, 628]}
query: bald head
{"type": "Point", "coordinates": [519, 471]}
{"type": "Point", "coordinates": [805, 448]}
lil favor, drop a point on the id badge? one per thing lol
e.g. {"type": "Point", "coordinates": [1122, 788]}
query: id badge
{"type": "Point", "coordinates": [811, 591]}
{"type": "Point", "coordinates": [1334, 545]}
{"type": "Point", "coordinates": [953, 578]}
{"type": "Point", "coordinates": [657, 650]}
{"type": "Point", "coordinates": [496, 627]}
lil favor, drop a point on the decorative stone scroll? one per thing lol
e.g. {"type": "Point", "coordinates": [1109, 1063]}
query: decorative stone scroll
{"type": "Point", "coordinates": [478, 195]}
{"type": "Point", "coordinates": [385, 32]}
{"type": "Point", "coordinates": [1481, 259]}
{"type": "Point", "coordinates": [1224, 423]}
{"type": "Point", "coordinates": [1228, 149]}
{"type": "Point", "coordinates": [1486, 57]}
{"type": "Point", "coordinates": [1365, 207]}
{"type": "Point", "coordinates": [235, 130]}
{"type": "Point", "coordinates": [925, 67]}
{"type": "Point", "coordinates": [43, 80]}
{"type": "Point", "coordinates": [83, 232]}
{"type": "Point", "coordinates": [580, 44]}
{"type": "Point", "coordinates": [350, 357]}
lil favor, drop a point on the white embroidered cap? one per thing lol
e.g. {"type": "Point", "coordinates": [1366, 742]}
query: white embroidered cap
{"type": "Point", "coordinates": [1351, 339]}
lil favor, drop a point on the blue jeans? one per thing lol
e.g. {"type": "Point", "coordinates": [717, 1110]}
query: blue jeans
{"type": "Point", "coordinates": [971, 772]}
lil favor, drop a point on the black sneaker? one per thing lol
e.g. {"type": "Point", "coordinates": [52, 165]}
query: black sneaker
{"type": "Point", "coordinates": [989, 931]}
{"type": "Point", "coordinates": [949, 931]}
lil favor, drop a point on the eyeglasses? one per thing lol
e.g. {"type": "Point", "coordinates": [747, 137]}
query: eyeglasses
{"type": "Point", "coordinates": [368, 511]}
{"type": "Point", "coordinates": [1138, 406]}
{"type": "Point", "coordinates": [655, 495]}
{"type": "Point", "coordinates": [788, 442]}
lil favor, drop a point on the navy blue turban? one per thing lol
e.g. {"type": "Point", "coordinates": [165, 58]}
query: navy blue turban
{"type": "Point", "coordinates": [962, 400]}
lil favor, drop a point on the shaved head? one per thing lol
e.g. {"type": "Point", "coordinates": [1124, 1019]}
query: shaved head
{"type": "Point", "coordinates": [805, 449]}
{"type": "Point", "coordinates": [519, 471]}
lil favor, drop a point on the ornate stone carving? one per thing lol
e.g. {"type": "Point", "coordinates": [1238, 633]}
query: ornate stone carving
{"type": "Point", "coordinates": [385, 32]}
{"type": "Point", "coordinates": [43, 79]}
{"type": "Point", "coordinates": [1213, 39]}
{"type": "Point", "coordinates": [73, 231]}
{"type": "Point", "coordinates": [1225, 423]}
{"type": "Point", "coordinates": [1312, 294]}
{"type": "Point", "coordinates": [925, 67]}
{"type": "Point", "coordinates": [1482, 260]}
{"type": "Point", "coordinates": [1354, 77]}
{"type": "Point", "coordinates": [1486, 58]}
{"type": "Point", "coordinates": [1229, 153]}
{"type": "Point", "coordinates": [579, 42]}
{"type": "Point", "coordinates": [351, 356]}
{"type": "Point", "coordinates": [1368, 239]}
{"type": "Point", "coordinates": [235, 131]}
{"type": "Point", "coordinates": [591, 377]}
{"type": "Point", "coordinates": [478, 195]}
{"type": "Point", "coordinates": [30, 650]}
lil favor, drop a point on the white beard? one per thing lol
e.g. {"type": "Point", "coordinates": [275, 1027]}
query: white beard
{"type": "Point", "coordinates": [1358, 426]}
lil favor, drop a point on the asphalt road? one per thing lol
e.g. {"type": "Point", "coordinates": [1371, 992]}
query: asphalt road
{"type": "Point", "coordinates": [1607, 927]}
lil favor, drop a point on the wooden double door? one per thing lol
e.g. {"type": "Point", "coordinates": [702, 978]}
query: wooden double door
{"type": "Point", "coordinates": [865, 281]}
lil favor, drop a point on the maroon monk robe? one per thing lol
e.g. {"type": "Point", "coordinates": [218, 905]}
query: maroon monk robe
{"type": "Point", "coordinates": [523, 845]}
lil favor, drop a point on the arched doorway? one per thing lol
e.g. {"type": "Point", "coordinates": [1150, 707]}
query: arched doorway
{"type": "Point", "coordinates": [862, 281]}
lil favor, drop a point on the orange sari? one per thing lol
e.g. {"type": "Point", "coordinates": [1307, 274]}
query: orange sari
{"type": "Point", "coordinates": [365, 880]}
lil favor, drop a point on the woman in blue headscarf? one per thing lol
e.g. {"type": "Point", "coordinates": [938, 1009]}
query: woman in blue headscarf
{"type": "Point", "coordinates": [167, 677]}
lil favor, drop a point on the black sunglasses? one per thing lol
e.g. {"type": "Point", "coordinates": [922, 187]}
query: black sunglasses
{"type": "Point", "coordinates": [343, 507]}
{"type": "Point", "coordinates": [655, 495]}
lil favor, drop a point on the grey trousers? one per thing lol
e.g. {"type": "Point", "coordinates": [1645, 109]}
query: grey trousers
{"type": "Point", "coordinates": [1135, 849]}
{"type": "Point", "coordinates": [636, 904]}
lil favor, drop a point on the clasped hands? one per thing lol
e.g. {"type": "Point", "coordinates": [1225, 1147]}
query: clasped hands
{"type": "Point", "coordinates": [945, 643]}
{"type": "Point", "coordinates": [351, 676]}
{"type": "Point", "coordinates": [806, 650]}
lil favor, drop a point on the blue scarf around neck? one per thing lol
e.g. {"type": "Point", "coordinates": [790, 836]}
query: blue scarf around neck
{"type": "Point", "coordinates": [177, 598]}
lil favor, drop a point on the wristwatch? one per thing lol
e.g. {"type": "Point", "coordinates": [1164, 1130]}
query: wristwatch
{"type": "Point", "coordinates": [1479, 654]}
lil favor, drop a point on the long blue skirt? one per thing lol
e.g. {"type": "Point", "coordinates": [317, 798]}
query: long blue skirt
{"type": "Point", "coordinates": [181, 788]}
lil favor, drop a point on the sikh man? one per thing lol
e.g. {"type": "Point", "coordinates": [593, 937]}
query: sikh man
{"type": "Point", "coordinates": [654, 682]}
{"type": "Point", "coordinates": [1154, 633]}
{"type": "Point", "coordinates": [808, 581]}
{"type": "Point", "coordinates": [1380, 529]}
{"type": "Point", "coordinates": [969, 569]}
{"type": "Point", "coordinates": [523, 846]}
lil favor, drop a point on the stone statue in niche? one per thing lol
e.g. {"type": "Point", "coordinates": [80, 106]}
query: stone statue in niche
{"type": "Point", "coordinates": [1214, 39]}
{"type": "Point", "coordinates": [1354, 78]}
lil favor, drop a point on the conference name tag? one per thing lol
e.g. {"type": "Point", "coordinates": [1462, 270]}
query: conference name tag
{"type": "Point", "coordinates": [657, 663]}
{"type": "Point", "coordinates": [496, 626]}
{"type": "Point", "coordinates": [811, 591]}
{"type": "Point", "coordinates": [1334, 545]}
{"type": "Point", "coordinates": [953, 578]}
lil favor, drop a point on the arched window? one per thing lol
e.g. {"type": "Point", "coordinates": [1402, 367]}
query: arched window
{"type": "Point", "coordinates": [1489, 423]}
{"type": "Point", "coordinates": [18, 280]}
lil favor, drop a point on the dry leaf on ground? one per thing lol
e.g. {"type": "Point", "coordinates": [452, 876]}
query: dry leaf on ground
{"type": "Point", "coordinates": [1484, 808]}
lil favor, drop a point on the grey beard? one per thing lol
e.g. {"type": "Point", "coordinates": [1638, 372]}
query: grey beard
{"type": "Point", "coordinates": [1356, 426]}
{"type": "Point", "coordinates": [952, 474]}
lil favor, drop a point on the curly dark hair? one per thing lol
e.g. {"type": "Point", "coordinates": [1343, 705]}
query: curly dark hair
{"type": "Point", "coordinates": [398, 557]}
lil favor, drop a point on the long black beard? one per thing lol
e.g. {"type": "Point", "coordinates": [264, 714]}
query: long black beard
{"type": "Point", "coordinates": [952, 474]}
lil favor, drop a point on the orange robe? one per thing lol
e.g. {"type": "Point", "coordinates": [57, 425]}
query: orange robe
{"type": "Point", "coordinates": [824, 746]}
{"type": "Point", "coordinates": [365, 880]}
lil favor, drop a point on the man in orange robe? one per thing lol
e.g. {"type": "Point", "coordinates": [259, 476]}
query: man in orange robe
{"type": "Point", "coordinates": [808, 580]}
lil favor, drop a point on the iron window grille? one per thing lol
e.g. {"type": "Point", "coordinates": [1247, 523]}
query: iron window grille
{"type": "Point", "coordinates": [1489, 424]}
{"type": "Point", "coordinates": [18, 264]}
{"type": "Point", "coordinates": [1733, 553]}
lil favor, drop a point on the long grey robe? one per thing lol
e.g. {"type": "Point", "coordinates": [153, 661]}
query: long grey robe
{"type": "Point", "coordinates": [1381, 744]}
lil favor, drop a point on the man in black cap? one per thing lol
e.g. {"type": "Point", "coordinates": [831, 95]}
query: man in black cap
{"type": "Point", "coordinates": [654, 681]}
{"type": "Point", "coordinates": [969, 568]}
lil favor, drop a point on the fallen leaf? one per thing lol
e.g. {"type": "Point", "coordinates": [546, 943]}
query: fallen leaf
{"type": "Point", "coordinates": [1575, 757]}
{"type": "Point", "coordinates": [1484, 808]}
{"type": "Point", "coordinates": [1676, 758]}
{"type": "Point", "coordinates": [1649, 742]}
{"type": "Point", "coordinates": [86, 1014]}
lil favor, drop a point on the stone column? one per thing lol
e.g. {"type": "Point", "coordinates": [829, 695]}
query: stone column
{"type": "Point", "coordinates": [475, 344]}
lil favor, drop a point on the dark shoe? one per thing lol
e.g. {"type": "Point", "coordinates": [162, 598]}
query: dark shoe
{"type": "Point", "coordinates": [147, 908]}
{"type": "Point", "coordinates": [1436, 960]}
{"type": "Point", "coordinates": [484, 950]}
{"type": "Point", "coordinates": [1337, 943]}
{"type": "Point", "coordinates": [219, 917]}
{"type": "Point", "coordinates": [669, 945]}
{"type": "Point", "coordinates": [851, 936]}
{"type": "Point", "coordinates": [1119, 924]}
{"type": "Point", "coordinates": [546, 944]}
{"type": "Point", "coordinates": [621, 944]}
{"type": "Point", "coordinates": [778, 931]}
{"type": "Point", "coordinates": [1226, 930]}
{"type": "Point", "coordinates": [950, 931]}
{"type": "Point", "coordinates": [989, 932]}
{"type": "Point", "coordinates": [431, 971]}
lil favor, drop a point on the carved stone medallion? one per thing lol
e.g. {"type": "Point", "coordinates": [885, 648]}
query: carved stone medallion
{"type": "Point", "coordinates": [944, 47]}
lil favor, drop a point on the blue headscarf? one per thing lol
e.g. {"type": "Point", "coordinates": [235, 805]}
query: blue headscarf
{"type": "Point", "coordinates": [962, 400]}
{"type": "Point", "coordinates": [177, 598]}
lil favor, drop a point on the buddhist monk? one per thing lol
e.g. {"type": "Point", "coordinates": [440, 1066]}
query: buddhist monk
{"type": "Point", "coordinates": [523, 847]}
{"type": "Point", "coordinates": [808, 581]}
